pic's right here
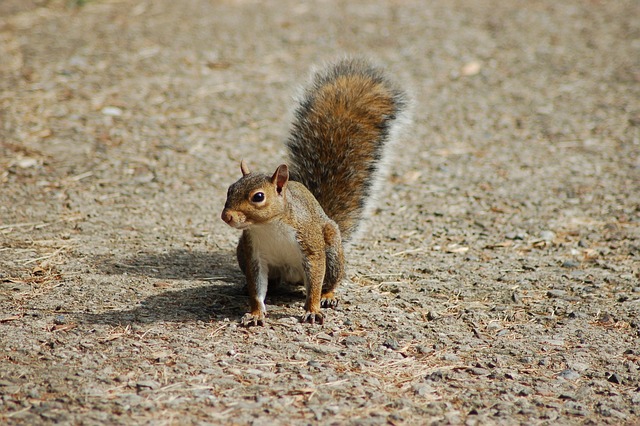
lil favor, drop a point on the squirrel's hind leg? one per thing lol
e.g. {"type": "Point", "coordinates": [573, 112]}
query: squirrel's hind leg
{"type": "Point", "coordinates": [334, 272]}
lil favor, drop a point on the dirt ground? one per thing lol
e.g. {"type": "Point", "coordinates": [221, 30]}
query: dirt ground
{"type": "Point", "coordinates": [498, 282]}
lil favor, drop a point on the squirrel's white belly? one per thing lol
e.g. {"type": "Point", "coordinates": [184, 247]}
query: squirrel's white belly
{"type": "Point", "coordinates": [275, 244]}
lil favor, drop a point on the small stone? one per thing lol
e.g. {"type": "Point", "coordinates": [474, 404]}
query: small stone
{"type": "Point", "coordinates": [615, 378]}
{"type": "Point", "coordinates": [10, 390]}
{"type": "Point", "coordinates": [26, 163]}
{"type": "Point", "coordinates": [354, 340]}
{"type": "Point", "coordinates": [567, 396]}
{"type": "Point", "coordinates": [314, 364]}
{"type": "Point", "coordinates": [556, 294]}
{"type": "Point", "coordinates": [477, 371]}
{"type": "Point", "coordinates": [515, 236]}
{"type": "Point", "coordinates": [547, 236]}
{"type": "Point", "coordinates": [333, 409]}
{"type": "Point", "coordinates": [391, 343]}
{"type": "Point", "coordinates": [432, 316]}
{"type": "Point", "coordinates": [321, 349]}
{"type": "Point", "coordinates": [112, 111]}
{"type": "Point", "coordinates": [471, 68]}
{"type": "Point", "coordinates": [580, 367]}
{"type": "Point", "coordinates": [130, 399]}
{"type": "Point", "coordinates": [569, 374]}
{"type": "Point", "coordinates": [324, 336]}
{"type": "Point", "coordinates": [570, 264]}
{"type": "Point", "coordinates": [450, 357]}
{"type": "Point", "coordinates": [554, 342]}
{"type": "Point", "coordinates": [148, 384]}
{"type": "Point", "coordinates": [436, 376]}
{"type": "Point", "coordinates": [423, 389]}
{"type": "Point", "coordinates": [423, 349]}
{"type": "Point", "coordinates": [494, 326]}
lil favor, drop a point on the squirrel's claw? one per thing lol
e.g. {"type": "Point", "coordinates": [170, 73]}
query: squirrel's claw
{"type": "Point", "coordinates": [329, 303]}
{"type": "Point", "coordinates": [313, 318]}
{"type": "Point", "coordinates": [250, 319]}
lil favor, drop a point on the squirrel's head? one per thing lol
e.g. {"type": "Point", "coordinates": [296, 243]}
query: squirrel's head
{"type": "Point", "coordinates": [255, 198]}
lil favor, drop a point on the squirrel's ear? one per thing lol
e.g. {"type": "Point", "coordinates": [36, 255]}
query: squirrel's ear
{"type": "Point", "coordinates": [244, 168]}
{"type": "Point", "coordinates": [280, 177]}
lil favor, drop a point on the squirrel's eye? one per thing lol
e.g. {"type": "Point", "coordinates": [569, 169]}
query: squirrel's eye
{"type": "Point", "coordinates": [258, 197]}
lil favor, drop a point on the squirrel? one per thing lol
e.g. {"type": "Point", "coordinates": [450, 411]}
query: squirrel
{"type": "Point", "coordinates": [296, 221]}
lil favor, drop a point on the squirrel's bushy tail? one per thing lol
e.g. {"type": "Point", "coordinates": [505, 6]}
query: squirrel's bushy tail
{"type": "Point", "coordinates": [340, 140]}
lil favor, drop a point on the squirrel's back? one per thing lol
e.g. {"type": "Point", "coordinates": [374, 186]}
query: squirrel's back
{"type": "Point", "coordinates": [346, 121]}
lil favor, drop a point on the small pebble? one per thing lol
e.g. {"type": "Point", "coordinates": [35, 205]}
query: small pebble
{"type": "Point", "coordinates": [354, 340]}
{"type": "Point", "coordinates": [570, 264]}
{"type": "Point", "coordinates": [333, 409]}
{"type": "Point", "coordinates": [450, 357]}
{"type": "Point", "coordinates": [324, 336]}
{"type": "Point", "coordinates": [423, 389]}
{"type": "Point", "coordinates": [436, 376]}
{"type": "Point", "coordinates": [391, 343]}
{"type": "Point", "coordinates": [547, 236]}
{"type": "Point", "coordinates": [493, 326]}
{"type": "Point", "coordinates": [112, 111]}
{"type": "Point", "coordinates": [615, 378]}
{"type": "Point", "coordinates": [556, 294]}
{"type": "Point", "coordinates": [314, 363]}
{"type": "Point", "coordinates": [569, 374]}
{"type": "Point", "coordinates": [515, 236]}
{"type": "Point", "coordinates": [150, 384]}
{"type": "Point", "coordinates": [432, 315]}
{"type": "Point", "coordinates": [477, 371]}
{"type": "Point", "coordinates": [579, 366]}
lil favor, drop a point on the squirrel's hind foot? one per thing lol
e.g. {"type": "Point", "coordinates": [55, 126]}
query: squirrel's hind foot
{"type": "Point", "coordinates": [328, 300]}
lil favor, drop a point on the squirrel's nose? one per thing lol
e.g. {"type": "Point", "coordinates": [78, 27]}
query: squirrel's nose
{"type": "Point", "coordinates": [225, 216]}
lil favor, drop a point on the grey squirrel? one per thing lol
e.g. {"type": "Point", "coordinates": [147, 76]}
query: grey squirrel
{"type": "Point", "coordinates": [294, 223]}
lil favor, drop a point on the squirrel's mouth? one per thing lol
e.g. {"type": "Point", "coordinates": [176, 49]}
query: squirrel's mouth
{"type": "Point", "coordinates": [231, 218]}
{"type": "Point", "coordinates": [240, 225]}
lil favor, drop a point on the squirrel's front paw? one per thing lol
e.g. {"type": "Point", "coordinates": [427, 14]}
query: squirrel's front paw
{"type": "Point", "coordinates": [250, 319]}
{"type": "Point", "coordinates": [313, 318]}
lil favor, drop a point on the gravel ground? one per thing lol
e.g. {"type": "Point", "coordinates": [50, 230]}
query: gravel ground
{"type": "Point", "coordinates": [498, 282]}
